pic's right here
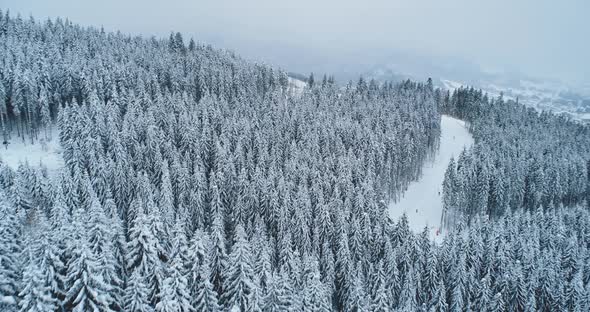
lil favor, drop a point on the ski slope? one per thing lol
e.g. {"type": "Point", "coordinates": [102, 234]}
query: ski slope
{"type": "Point", "coordinates": [43, 152]}
{"type": "Point", "coordinates": [422, 201]}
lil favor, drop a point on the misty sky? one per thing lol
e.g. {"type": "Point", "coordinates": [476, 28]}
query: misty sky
{"type": "Point", "coordinates": [545, 38]}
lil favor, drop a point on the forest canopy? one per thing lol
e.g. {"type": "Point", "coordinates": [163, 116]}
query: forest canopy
{"type": "Point", "coordinates": [194, 180]}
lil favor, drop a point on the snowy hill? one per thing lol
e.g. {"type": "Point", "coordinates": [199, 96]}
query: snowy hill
{"type": "Point", "coordinates": [422, 201]}
{"type": "Point", "coordinates": [541, 95]}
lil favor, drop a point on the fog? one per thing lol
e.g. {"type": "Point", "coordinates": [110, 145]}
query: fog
{"type": "Point", "coordinates": [538, 37]}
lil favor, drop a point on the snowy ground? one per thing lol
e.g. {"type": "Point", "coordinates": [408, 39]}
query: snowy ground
{"type": "Point", "coordinates": [422, 202]}
{"type": "Point", "coordinates": [46, 152]}
{"type": "Point", "coordinates": [296, 86]}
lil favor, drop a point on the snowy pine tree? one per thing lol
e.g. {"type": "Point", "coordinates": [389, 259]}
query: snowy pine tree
{"type": "Point", "coordinates": [176, 295]}
{"type": "Point", "coordinates": [136, 294]}
{"type": "Point", "coordinates": [36, 293]}
{"type": "Point", "coordinates": [87, 290]}
{"type": "Point", "coordinates": [239, 277]}
{"type": "Point", "coordinates": [9, 254]}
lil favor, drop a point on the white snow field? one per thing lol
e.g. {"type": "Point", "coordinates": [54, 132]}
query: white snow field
{"type": "Point", "coordinates": [422, 201]}
{"type": "Point", "coordinates": [43, 152]}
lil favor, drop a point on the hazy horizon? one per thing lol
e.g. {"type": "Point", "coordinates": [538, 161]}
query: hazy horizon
{"type": "Point", "coordinates": [537, 38]}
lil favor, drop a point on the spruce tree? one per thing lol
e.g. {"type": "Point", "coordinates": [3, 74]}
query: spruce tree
{"type": "Point", "coordinates": [356, 298]}
{"type": "Point", "coordinates": [497, 304]}
{"type": "Point", "coordinates": [218, 254]}
{"type": "Point", "coordinates": [205, 297]}
{"type": "Point", "coordinates": [314, 296]}
{"type": "Point", "coordinates": [101, 239]}
{"type": "Point", "coordinates": [10, 250]}
{"type": "Point", "coordinates": [141, 246]}
{"type": "Point", "coordinates": [239, 277]}
{"type": "Point", "coordinates": [379, 299]}
{"type": "Point", "coordinates": [277, 297]}
{"type": "Point", "coordinates": [87, 290]}
{"type": "Point", "coordinates": [36, 293]}
{"type": "Point", "coordinates": [52, 265]}
{"type": "Point", "coordinates": [176, 295]}
{"type": "Point", "coordinates": [136, 294]}
{"type": "Point", "coordinates": [198, 253]}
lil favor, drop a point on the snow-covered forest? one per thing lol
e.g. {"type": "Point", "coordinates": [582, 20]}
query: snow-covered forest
{"type": "Point", "coordinates": [193, 180]}
{"type": "Point", "coordinates": [521, 159]}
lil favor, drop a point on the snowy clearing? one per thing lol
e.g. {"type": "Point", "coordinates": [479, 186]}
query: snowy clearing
{"type": "Point", "coordinates": [422, 201]}
{"type": "Point", "coordinates": [296, 86]}
{"type": "Point", "coordinates": [43, 152]}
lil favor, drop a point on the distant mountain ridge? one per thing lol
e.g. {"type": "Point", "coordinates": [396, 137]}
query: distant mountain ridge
{"type": "Point", "coordinates": [541, 94]}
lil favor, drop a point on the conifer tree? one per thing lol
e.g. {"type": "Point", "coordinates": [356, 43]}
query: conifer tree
{"type": "Point", "coordinates": [136, 294]}
{"type": "Point", "coordinates": [277, 298]}
{"type": "Point", "coordinates": [176, 295]}
{"type": "Point", "coordinates": [239, 277]}
{"type": "Point", "coordinates": [314, 296]}
{"type": "Point", "coordinates": [407, 300]}
{"type": "Point", "coordinates": [141, 247]}
{"type": "Point", "coordinates": [379, 299]}
{"type": "Point", "coordinates": [101, 244]}
{"type": "Point", "coordinates": [36, 292]}
{"type": "Point", "coordinates": [119, 246]}
{"type": "Point", "coordinates": [205, 297]}
{"type": "Point", "coordinates": [9, 253]}
{"type": "Point", "coordinates": [198, 253]}
{"type": "Point", "coordinates": [87, 290]}
{"type": "Point", "coordinates": [440, 299]}
{"type": "Point", "coordinates": [343, 274]}
{"type": "Point", "coordinates": [356, 298]}
{"type": "Point", "coordinates": [218, 254]}
{"type": "Point", "coordinates": [50, 261]}
{"type": "Point", "coordinates": [497, 304]}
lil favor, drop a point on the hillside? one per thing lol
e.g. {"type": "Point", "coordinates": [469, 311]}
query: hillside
{"type": "Point", "coordinates": [422, 202]}
{"type": "Point", "coordinates": [181, 177]}
{"type": "Point", "coordinates": [572, 100]}
{"type": "Point", "coordinates": [543, 96]}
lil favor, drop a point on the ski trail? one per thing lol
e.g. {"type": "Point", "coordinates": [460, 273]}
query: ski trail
{"type": "Point", "coordinates": [422, 201]}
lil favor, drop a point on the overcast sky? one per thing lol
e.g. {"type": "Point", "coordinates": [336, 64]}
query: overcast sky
{"type": "Point", "coordinates": [546, 38]}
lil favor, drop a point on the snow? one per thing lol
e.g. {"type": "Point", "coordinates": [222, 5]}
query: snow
{"type": "Point", "coordinates": [422, 201]}
{"type": "Point", "coordinates": [235, 308]}
{"type": "Point", "coordinates": [552, 96]}
{"type": "Point", "coordinates": [296, 86]}
{"type": "Point", "coordinates": [451, 85]}
{"type": "Point", "coordinates": [43, 152]}
{"type": "Point", "coordinates": [8, 300]}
